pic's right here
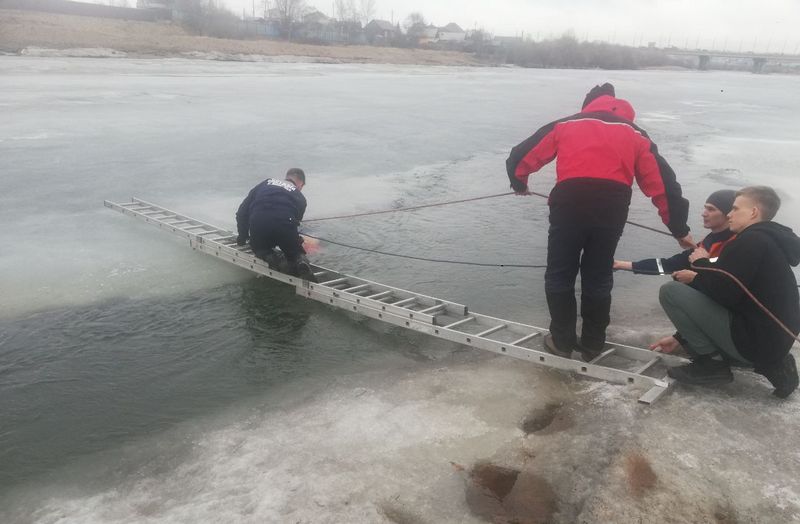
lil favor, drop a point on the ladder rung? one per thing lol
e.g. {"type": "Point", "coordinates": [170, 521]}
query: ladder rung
{"type": "Point", "coordinates": [645, 367]}
{"type": "Point", "coordinates": [229, 238]}
{"type": "Point", "coordinates": [208, 233]}
{"type": "Point", "coordinates": [333, 282]}
{"type": "Point", "coordinates": [404, 301]}
{"type": "Point", "coordinates": [602, 355]}
{"type": "Point", "coordinates": [320, 273]}
{"type": "Point", "coordinates": [526, 338]}
{"type": "Point", "coordinates": [193, 227]}
{"type": "Point", "coordinates": [159, 212]}
{"type": "Point", "coordinates": [491, 330]}
{"type": "Point", "coordinates": [180, 222]}
{"type": "Point", "coordinates": [458, 322]}
{"type": "Point", "coordinates": [378, 296]}
{"type": "Point", "coordinates": [432, 309]}
{"type": "Point", "coordinates": [353, 289]}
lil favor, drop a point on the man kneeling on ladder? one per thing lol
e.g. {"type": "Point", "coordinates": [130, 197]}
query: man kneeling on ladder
{"type": "Point", "coordinates": [718, 317]}
{"type": "Point", "coordinates": [269, 217]}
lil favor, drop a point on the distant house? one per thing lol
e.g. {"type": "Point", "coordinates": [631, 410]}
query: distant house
{"type": "Point", "coordinates": [380, 31]}
{"type": "Point", "coordinates": [317, 17]}
{"type": "Point", "coordinates": [269, 28]}
{"type": "Point", "coordinates": [428, 34]}
{"type": "Point", "coordinates": [318, 27]}
{"type": "Point", "coordinates": [451, 33]}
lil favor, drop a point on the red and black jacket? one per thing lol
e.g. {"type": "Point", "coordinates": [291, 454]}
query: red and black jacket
{"type": "Point", "coordinates": [602, 142]}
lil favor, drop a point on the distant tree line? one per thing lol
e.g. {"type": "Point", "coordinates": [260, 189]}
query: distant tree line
{"type": "Point", "coordinates": [208, 18]}
{"type": "Point", "coordinates": [568, 52]}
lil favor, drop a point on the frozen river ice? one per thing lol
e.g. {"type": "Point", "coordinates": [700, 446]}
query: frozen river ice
{"type": "Point", "coordinates": [140, 381]}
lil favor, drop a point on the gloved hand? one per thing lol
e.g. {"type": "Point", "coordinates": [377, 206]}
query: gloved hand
{"type": "Point", "coordinates": [241, 240]}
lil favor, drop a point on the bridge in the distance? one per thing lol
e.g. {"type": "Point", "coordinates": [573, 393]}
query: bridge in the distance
{"type": "Point", "coordinates": [759, 59]}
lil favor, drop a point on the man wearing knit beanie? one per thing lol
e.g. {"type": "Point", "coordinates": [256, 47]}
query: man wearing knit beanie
{"type": "Point", "coordinates": [715, 217]}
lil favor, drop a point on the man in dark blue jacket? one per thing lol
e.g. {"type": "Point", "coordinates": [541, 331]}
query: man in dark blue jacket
{"type": "Point", "coordinates": [269, 217]}
{"type": "Point", "coordinates": [716, 316]}
{"type": "Point", "coordinates": [715, 217]}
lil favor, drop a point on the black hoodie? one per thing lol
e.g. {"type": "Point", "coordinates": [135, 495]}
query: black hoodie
{"type": "Point", "coordinates": [759, 257]}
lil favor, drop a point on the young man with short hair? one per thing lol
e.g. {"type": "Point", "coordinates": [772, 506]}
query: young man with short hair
{"type": "Point", "coordinates": [717, 317]}
{"type": "Point", "coordinates": [269, 217]}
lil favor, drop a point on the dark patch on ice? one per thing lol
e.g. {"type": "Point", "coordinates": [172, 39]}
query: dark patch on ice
{"type": "Point", "coordinates": [399, 515]}
{"type": "Point", "coordinates": [496, 479]}
{"type": "Point", "coordinates": [725, 515]}
{"type": "Point", "coordinates": [727, 175]}
{"type": "Point", "coordinates": [549, 419]}
{"type": "Point", "coordinates": [531, 501]}
{"type": "Point", "coordinates": [639, 473]}
{"type": "Point", "coordinates": [509, 496]}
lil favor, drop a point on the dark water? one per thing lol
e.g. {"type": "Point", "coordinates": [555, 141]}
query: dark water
{"type": "Point", "coordinates": [80, 380]}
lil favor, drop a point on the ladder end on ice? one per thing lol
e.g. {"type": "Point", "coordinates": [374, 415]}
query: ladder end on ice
{"type": "Point", "coordinates": [433, 316]}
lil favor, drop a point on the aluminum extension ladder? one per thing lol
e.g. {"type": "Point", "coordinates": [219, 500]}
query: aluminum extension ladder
{"type": "Point", "coordinates": [433, 316]}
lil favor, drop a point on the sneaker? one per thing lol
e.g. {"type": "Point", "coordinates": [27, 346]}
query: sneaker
{"type": "Point", "coordinates": [550, 346]}
{"type": "Point", "coordinates": [783, 377]}
{"type": "Point", "coordinates": [702, 372]}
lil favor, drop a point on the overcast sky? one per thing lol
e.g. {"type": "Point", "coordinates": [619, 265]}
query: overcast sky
{"type": "Point", "coordinates": [772, 25]}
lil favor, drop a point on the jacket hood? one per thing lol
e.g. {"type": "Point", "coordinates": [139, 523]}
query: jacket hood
{"type": "Point", "coordinates": [609, 104]}
{"type": "Point", "coordinates": [783, 236]}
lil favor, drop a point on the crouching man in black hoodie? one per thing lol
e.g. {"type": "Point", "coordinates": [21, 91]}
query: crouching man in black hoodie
{"type": "Point", "coordinates": [716, 317]}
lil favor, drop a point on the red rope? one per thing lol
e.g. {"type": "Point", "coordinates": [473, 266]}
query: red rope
{"type": "Point", "coordinates": [412, 208]}
{"type": "Point", "coordinates": [406, 208]}
{"type": "Point", "coordinates": [752, 297]}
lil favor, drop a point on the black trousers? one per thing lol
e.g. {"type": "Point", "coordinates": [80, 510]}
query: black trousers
{"type": "Point", "coordinates": [266, 233]}
{"type": "Point", "coordinates": [585, 226]}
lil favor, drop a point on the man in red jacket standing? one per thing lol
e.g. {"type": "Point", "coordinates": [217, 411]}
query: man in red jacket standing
{"type": "Point", "coordinates": [600, 152]}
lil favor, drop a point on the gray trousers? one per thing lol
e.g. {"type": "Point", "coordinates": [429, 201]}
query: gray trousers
{"type": "Point", "coordinates": [704, 324]}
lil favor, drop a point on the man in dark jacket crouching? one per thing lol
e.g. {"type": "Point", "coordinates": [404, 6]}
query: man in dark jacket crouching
{"type": "Point", "coordinates": [269, 217]}
{"type": "Point", "coordinates": [716, 316]}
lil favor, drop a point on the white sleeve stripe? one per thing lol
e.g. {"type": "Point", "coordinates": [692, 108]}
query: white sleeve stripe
{"type": "Point", "coordinates": [660, 267]}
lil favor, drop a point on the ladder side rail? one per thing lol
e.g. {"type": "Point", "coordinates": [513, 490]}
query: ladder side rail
{"type": "Point", "coordinates": [656, 392]}
{"type": "Point", "coordinates": [542, 357]}
{"type": "Point", "coordinates": [175, 216]}
{"type": "Point", "coordinates": [531, 355]}
{"type": "Point", "coordinates": [376, 303]}
{"type": "Point", "coordinates": [252, 263]}
{"type": "Point", "coordinates": [511, 326]}
{"type": "Point", "coordinates": [178, 215]}
{"type": "Point", "coordinates": [162, 224]}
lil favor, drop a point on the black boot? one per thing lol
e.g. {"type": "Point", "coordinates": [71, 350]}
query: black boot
{"type": "Point", "coordinates": [703, 371]}
{"type": "Point", "coordinates": [595, 312]}
{"type": "Point", "coordinates": [563, 317]}
{"type": "Point", "coordinates": [302, 269]}
{"type": "Point", "coordinates": [783, 377]}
